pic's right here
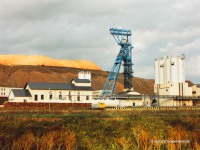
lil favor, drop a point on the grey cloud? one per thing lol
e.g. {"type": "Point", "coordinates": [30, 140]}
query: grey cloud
{"type": "Point", "coordinates": [79, 29]}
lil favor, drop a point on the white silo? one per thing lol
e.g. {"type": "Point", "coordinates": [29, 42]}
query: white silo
{"type": "Point", "coordinates": [170, 79]}
{"type": "Point", "coordinates": [170, 76]}
{"type": "Point", "coordinates": [161, 71]}
{"type": "Point", "coordinates": [169, 70]}
{"type": "Point", "coordinates": [156, 72]}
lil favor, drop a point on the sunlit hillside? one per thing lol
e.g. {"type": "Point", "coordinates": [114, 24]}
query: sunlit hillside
{"type": "Point", "coordinates": [46, 61]}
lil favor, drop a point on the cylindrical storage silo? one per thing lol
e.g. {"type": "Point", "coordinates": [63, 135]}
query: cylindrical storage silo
{"type": "Point", "coordinates": [174, 70]}
{"type": "Point", "coordinates": [161, 71]}
{"type": "Point", "coordinates": [156, 72]}
{"type": "Point", "coordinates": [181, 71]}
{"type": "Point", "coordinates": [168, 70]}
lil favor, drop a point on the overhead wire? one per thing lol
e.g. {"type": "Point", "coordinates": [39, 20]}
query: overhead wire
{"type": "Point", "coordinates": [105, 64]}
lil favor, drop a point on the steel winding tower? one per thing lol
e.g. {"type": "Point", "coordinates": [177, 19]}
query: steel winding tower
{"type": "Point", "coordinates": [123, 39]}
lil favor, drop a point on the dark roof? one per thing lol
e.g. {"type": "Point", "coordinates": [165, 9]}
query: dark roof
{"type": "Point", "coordinates": [81, 80]}
{"type": "Point", "coordinates": [50, 86]}
{"type": "Point", "coordinates": [21, 93]}
{"type": "Point", "coordinates": [198, 85]}
{"type": "Point", "coordinates": [56, 86]}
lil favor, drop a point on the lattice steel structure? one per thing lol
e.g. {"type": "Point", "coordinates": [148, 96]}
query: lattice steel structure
{"type": "Point", "coordinates": [123, 39]}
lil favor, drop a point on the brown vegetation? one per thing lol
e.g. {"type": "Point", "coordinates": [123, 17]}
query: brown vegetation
{"type": "Point", "coordinates": [101, 130]}
{"type": "Point", "coordinates": [61, 139]}
{"type": "Point", "coordinates": [45, 106]}
{"type": "Point", "coordinates": [17, 76]}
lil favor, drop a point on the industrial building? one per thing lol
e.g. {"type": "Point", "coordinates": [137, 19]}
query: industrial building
{"type": "Point", "coordinates": [196, 93]}
{"type": "Point", "coordinates": [170, 80]}
{"type": "Point", "coordinates": [77, 91]}
{"type": "Point", "coordinates": [5, 91]}
{"type": "Point", "coordinates": [170, 88]}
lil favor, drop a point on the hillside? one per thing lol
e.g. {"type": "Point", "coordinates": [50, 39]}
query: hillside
{"type": "Point", "coordinates": [17, 76]}
{"type": "Point", "coordinates": [35, 60]}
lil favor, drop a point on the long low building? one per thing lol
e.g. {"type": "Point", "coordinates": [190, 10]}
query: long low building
{"type": "Point", "coordinates": [77, 91]}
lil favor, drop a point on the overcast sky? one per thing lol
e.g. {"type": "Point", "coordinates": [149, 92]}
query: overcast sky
{"type": "Point", "coordinates": [79, 29]}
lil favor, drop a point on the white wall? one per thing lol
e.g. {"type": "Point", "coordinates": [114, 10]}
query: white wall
{"type": "Point", "coordinates": [170, 77]}
{"type": "Point", "coordinates": [118, 103]}
{"type": "Point", "coordinates": [169, 70]}
{"type": "Point", "coordinates": [180, 89]}
{"type": "Point", "coordinates": [81, 84]}
{"type": "Point", "coordinates": [129, 103]}
{"type": "Point", "coordinates": [84, 75]}
{"type": "Point", "coordinates": [65, 95]}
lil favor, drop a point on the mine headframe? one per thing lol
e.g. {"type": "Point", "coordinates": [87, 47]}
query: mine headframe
{"type": "Point", "coordinates": [123, 39]}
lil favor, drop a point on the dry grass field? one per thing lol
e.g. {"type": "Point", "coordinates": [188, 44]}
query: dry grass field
{"type": "Point", "coordinates": [100, 129]}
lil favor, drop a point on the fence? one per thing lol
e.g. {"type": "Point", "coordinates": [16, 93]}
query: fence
{"type": "Point", "coordinates": [155, 108]}
{"type": "Point", "coordinates": [43, 106]}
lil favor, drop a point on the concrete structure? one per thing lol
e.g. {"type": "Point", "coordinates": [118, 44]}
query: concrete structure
{"type": "Point", "coordinates": [196, 93]}
{"type": "Point", "coordinates": [170, 77]}
{"type": "Point", "coordinates": [130, 99]}
{"type": "Point", "coordinates": [97, 94]}
{"type": "Point", "coordinates": [170, 80]}
{"type": "Point", "coordinates": [84, 75]}
{"type": "Point", "coordinates": [78, 91]}
{"type": "Point", "coordinates": [196, 90]}
{"type": "Point", "coordinates": [122, 99]}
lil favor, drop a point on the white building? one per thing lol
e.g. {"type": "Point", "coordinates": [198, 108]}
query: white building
{"type": "Point", "coordinates": [78, 91]}
{"type": "Point", "coordinates": [5, 91]}
{"type": "Point", "coordinates": [196, 93]}
{"type": "Point", "coordinates": [84, 75]}
{"type": "Point", "coordinates": [170, 79]}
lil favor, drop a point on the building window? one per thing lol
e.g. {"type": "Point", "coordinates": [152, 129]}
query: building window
{"type": "Point", "coordinates": [193, 92]}
{"type": "Point", "coordinates": [50, 96]}
{"type": "Point", "coordinates": [78, 96]}
{"type": "Point", "coordinates": [42, 97]}
{"type": "Point", "coordinates": [87, 97]}
{"type": "Point", "coordinates": [36, 97]}
{"type": "Point", "coordinates": [69, 96]}
{"type": "Point", "coordinates": [166, 89]}
{"type": "Point", "coordinates": [60, 95]}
